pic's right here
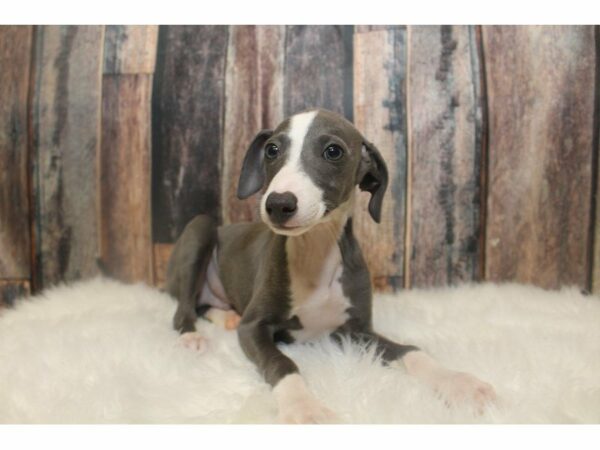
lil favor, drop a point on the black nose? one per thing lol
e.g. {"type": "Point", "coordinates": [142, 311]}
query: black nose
{"type": "Point", "coordinates": [281, 207]}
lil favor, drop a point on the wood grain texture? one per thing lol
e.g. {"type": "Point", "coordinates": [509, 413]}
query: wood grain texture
{"type": "Point", "coordinates": [380, 114]}
{"type": "Point", "coordinates": [162, 253]}
{"type": "Point", "coordinates": [130, 49]}
{"type": "Point", "coordinates": [594, 273]}
{"type": "Point", "coordinates": [125, 162]}
{"type": "Point", "coordinates": [369, 28]}
{"type": "Point", "coordinates": [540, 87]}
{"type": "Point", "coordinates": [445, 129]}
{"type": "Point", "coordinates": [188, 103]}
{"type": "Point", "coordinates": [11, 290]}
{"type": "Point", "coordinates": [254, 101]}
{"type": "Point", "coordinates": [66, 135]}
{"type": "Point", "coordinates": [15, 56]}
{"type": "Point", "coordinates": [318, 68]}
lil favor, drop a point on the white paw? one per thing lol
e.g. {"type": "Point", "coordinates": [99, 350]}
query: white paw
{"type": "Point", "coordinates": [306, 410]}
{"type": "Point", "coordinates": [194, 341]}
{"type": "Point", "coordinates": [459, 388]}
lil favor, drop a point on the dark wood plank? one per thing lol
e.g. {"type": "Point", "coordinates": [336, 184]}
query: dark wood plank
{"type": "Point", "coordinates": [188, 103]}
{"type": "Point", "coordinates": [254, 101]}
{"type": "Point", "coordinates": [130, 49]}
{"type": "Point", "coordinates": [445, 147]}
{"type": "Point", "coordinates": [66, 118]}
{"type": "Point", "coordinates": [318, 68]}
{"type": "Point", "coordinates": [11, 290]}
{"type": "Point", "coordinates": [380, 114]}
{"type": "Point", "coordinates": [125, 160]}
{"type": "Point", "coordinates": [15, 56]}
{"type": "Point", "coordinates": [541, 106]}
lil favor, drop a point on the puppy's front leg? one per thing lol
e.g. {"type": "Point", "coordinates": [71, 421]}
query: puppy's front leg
{"type": "Point", "coordinates": [295, 402]}
{"type": "Point", "coordinates": [454, 387]}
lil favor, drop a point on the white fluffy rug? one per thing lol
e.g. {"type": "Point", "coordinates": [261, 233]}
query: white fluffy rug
{"type": "Point", "coordinates": [101, 351]}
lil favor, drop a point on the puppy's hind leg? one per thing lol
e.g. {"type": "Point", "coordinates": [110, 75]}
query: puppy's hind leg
{"type": "Point", "coordinates": [186, 274]}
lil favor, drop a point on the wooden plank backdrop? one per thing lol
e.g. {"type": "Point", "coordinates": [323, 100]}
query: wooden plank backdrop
{"type": "Point", "coordinates": [541, 105]}
{"type": "Point", "coordinates": [125, 154]}
{"type": "Point", "coordinates": [380, 114]}
{"type": "Point", "coordinates": [15, 246]}
{"type": "Point", "coordinates": [113, 138]}
{"type": "Point", "coordinates": [65, 114]}
{"type": "Point", "coordinates": [445, 129]}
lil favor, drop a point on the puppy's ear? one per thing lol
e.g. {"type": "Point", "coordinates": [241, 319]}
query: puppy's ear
{"type": "Point", "coordinates": [252, 177]}
{"type": "Point", "coordinates": [373, 178]}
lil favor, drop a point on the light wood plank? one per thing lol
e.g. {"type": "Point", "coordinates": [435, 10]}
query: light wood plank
{"type": "Point", "coordinates": [541, 83]}
{"type": "Point", "coordinates": [125, 218]}
{"type": "Point", "coordinates": [66, 135]}
{"type": "Point", "coordinates": [130, 49]}
{"type": "Point", "coordinates": [380, 114]}
{"type": "Point", "coordinates": [162, 253]}
{"type": "Point", "coordinates": [254, 101]}
{"type": "Point", "coordinates": [445, 148]}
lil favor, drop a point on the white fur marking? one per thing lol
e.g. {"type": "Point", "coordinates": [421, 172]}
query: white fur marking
{"type": "Point", "coordinates": [194, 341]}
{"type": "Point", "coordinates": [454, 387]}
{"type": "Point", "coordinates": [297, 404]}
{"type": "Point", "coordinates": [324, 309]}
{"type": "Point", "coordinates": [292, 178]}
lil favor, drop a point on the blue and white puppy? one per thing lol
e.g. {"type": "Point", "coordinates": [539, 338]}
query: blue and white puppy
{"type": "Point", "coordinates": [299, 273]}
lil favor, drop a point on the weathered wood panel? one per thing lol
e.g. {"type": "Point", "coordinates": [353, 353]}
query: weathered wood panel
{"type": "Point", "coordinates": [188, 102]}
{"type": "Point", "coordinates": [541, 106]}
{"type": "Point", "coordinates": [380, 114]}
{"type": "Point", "coordinates": [125, 163]}
{"type": "Point", "coordinates": [130, 49]}
{"type": "Point", "coordinates": [369, 28]}
{"type": "Point", "coordinates": [318, 68]}
{"type": "Point", "coordinates": [445, 130]}
{"type": "Point", "coordinates": [66, 135]}
{"type": "Point", "coordinates": [11, 290]}
{"type": "Point", "coordinates": [162, 253]}
{"type": "Point", "coordinates": [15, 56]}
{"type": "Point", "coordinates": [254, 101]}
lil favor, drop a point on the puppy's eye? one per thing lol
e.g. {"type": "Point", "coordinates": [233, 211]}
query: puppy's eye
{"type": "Point", "coordinates": [333, 153]}
{"type": "Point", "coordinates": [271, 151]}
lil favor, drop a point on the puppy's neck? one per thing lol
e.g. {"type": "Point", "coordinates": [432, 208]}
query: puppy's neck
{"type": "Point", "coordinates": [310, 250]}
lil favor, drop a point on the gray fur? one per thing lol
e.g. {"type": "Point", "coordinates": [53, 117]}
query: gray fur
{"type": "Point", "coordinates": [252, 260]}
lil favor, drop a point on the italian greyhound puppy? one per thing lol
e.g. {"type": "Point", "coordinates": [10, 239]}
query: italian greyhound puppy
{"type": "Point", "coordinates": [299, 273]}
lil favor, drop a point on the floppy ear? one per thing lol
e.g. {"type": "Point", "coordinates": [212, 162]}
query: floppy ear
{"type": "Point", "coordinates": [252, 177]}
{"type": "Point", "coordinates": [373, 177]}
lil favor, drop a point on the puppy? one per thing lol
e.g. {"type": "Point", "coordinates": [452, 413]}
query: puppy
{"type": "Point", "coordinates": [299, 273]}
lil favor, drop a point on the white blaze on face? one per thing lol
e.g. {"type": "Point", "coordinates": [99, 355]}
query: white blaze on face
{"type": "Point", "coordinates": [292, 178]}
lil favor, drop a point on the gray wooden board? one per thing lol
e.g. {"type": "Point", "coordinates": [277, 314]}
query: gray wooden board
{"type": "Point", "coordinates": [66, 135]}
{"type": "Point", "coordinates": [187, 124]}
{"type": "Point", "coordinates": [445, 148]}
{"type": "Point", "coordinates": [318, 68]}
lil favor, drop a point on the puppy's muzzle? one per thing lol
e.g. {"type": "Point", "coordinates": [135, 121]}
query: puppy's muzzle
{"type": "Point", "coordinates": [281, 207]}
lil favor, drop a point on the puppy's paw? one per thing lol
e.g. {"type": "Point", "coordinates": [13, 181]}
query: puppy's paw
{"type": "Point", "coordinates": [227, 319]}
{"type": "Point", "coordinates": [194, 341]}
{"type": "Point", "coordinates": [232, 320]}
{"type": "Point", "coordinates": [306, 410]}
{"type": "Point", "coordinates": [459, 388]}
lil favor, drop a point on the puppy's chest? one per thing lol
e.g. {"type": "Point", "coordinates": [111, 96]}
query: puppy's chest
{"type": "Point", "coordinates": [318, 299]}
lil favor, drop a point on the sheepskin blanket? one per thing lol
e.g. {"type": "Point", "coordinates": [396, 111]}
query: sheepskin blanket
{"type": "Point", "coordinates": [102, 351]}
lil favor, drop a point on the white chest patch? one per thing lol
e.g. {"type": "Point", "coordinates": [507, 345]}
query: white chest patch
{"type": "Point", "coordinates": [317, 296]}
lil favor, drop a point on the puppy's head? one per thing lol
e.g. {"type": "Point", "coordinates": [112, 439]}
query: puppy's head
{"type": "Point", "coordinates": [310, 165]}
